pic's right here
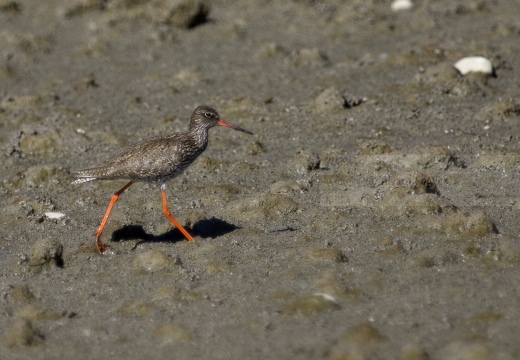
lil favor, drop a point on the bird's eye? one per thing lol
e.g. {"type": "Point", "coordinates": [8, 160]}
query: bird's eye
{"type": "Point", "coordinates": [208, 115]}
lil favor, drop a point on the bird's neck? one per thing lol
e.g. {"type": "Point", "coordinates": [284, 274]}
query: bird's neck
{"type": "Point", "coordinates": [200, 135]}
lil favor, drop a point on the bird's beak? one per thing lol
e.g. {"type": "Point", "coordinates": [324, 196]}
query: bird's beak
{"type": "Point", "coordinates": [224, 123]}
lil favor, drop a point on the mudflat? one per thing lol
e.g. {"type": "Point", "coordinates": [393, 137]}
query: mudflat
{"type": "Point", "coordinates": [373, 215]}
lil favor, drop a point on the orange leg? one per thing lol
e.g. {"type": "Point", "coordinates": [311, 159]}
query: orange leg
{"type": "Point", "coordinates": [171, 218]}
{"type": "Point", "coordinates": [100, 247]}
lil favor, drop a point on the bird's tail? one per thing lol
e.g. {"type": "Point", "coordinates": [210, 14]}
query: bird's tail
{"type": "Point", "coordinates": [84, 175]}
{"type": "Point", "coordinates": [83, 180]}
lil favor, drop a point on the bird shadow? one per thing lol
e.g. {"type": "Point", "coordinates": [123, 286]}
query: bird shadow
{"type": "Point", "coordinates": [208, 228]}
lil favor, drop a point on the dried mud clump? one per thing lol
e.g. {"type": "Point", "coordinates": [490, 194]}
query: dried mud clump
{"type": "Point", "coordinates": [331, 99]}
{"type": "Point", "coordinates": [424, 184]}
{"type": "Point", "coordinates": [46, 252]}
{"type": "Point", "coordinates": [363, 334]}
{"type": "Point", "coordinates": [22, 333]}
{"type": "Point", "coordinates": [401, 201]}
{"type": "Point", "coordinates": [427, 157]}
{"type": "Point", "coordinates": [308, 57]}
{"type": "Point", "coordinates": [151, 261]}
{"type": "Point", "coordinates": [268, 206]}
{"type": "Point", "coordinates": [466, 349]}
{"type": "Point", "coordinates": [188, 14]}
{"type": "Point", "coordinates": [329, 254]}
{"type": "Point", "coordinates": [11, 7]}
{"type": "Point", "coordinates": [27, 47]}
{"type": "Point", "coordinates": [357, 342]}
{"type": "Point", "coordinates": [311, 304]}
{"type": "Point", "coordinates": [39, 176]}
{"type": "Point", "coordinates": [184, 14]}
{"type": "Point", "coordinates": [170, 334]}
{"type": "Point", "coordinates": [505, 111]}
{"type": "Point", "coordinates": [302, 162]}
{"type": "Point", "coordinates": [18, 295]}
{"type": "Point", "coordinates": [373, 147]}
{"type": "Point", "coordinates": [418, 182]}
{"type": "Point", "coordinates": [468, 225]}
{"type": "Point", "coordinates": [333, 157]}
{"type": "Point", "coordinates": [46, 144]}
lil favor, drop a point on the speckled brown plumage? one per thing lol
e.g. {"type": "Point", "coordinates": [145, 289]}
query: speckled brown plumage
{"type": "Point", "coordinates": [161, 158]}
{"type": "Point", "coordinates": [156, 160]}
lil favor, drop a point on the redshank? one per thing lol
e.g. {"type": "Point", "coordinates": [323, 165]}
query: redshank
{"type": "Point", "coordinates": [156, 160]}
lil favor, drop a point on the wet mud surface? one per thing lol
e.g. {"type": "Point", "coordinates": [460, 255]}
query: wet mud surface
{"type": "Point", "coordinates": [373, 215]}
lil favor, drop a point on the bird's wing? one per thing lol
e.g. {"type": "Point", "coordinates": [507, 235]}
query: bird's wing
{"type": "Point", "coordinates": [150, 156]}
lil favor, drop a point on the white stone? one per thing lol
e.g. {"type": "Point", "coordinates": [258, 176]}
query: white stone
{"type": "Point", "coordinates": [54, 215]}
{"type": "Point", "coordinates": [327, 297]}
{"type": "Point", "coordinates": [474, 64]}
{"type": "Point", "coordinates": [399, 5]}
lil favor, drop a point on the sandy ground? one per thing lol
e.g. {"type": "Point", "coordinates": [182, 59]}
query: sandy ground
{"type": "Point", "coordinates": [373, 215]}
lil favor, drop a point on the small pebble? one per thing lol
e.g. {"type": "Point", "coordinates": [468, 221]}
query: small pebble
{"type": "Point", "coordinates": [54, 215]}
{"type": "Point", "coordinates": [474, 64]}
{"type": "Point", "coordinates": [399, 5]}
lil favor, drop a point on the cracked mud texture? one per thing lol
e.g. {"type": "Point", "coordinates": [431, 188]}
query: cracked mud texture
{"type": "Point", "coordinates": [374, 214]}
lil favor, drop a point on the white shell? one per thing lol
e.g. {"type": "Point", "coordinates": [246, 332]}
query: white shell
{"type": "Point", "coordinates": [54, 215]}
{"type": "Point", "coordinates": [327, 297]}
{"type": "Point", "coordinates": [475, 64]}
{"type": "Point", "coordinates": [399, 5]}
